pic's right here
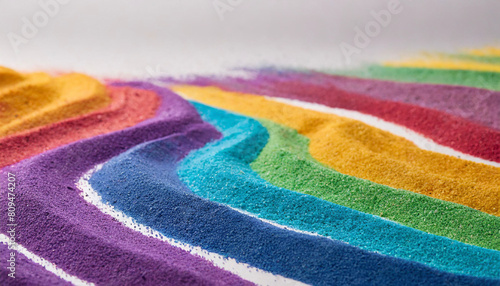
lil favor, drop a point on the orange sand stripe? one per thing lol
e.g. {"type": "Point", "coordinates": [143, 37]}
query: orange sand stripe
{"type": "Point", "coordinates": [32, 100]}
{"type": "Point", "coordinates": [128, 107]}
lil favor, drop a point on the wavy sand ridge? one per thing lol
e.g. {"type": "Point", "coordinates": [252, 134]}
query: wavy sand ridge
{"type": "Point", "coordinates": [474, 104]}
{"type": "Point", "coordinates": [441, 127]}
{"type": "Point", "coordinates": [356, 149]}
{"type": "Point", "coordinates": [55, 216]}
{"type": "Point", "coordinates": [286, 162]}
{"type": "Point", "coordinates": [128, 107]}
{"type": "Point", "coordinates": [39, 99]}
{"type": "Point", "coordinates": [320, 179]}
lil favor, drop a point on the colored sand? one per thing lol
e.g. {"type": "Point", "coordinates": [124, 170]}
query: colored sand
{"type": "Point", "coordinates": [60, 226]}
{"type": "Point", "coordinates": [142, 182]}
{"type": "Point", "coordinates": [286, 162]}
{"type": "Point", "coordinates": [221, 172]}
{"type": "Point", "coordinates": [478, 79]}
{"type": "Point", "coordinates": [350, 147]}
{"type": "Point", "coordinates": [451, 131]}
{"type": "Point", "coordinates": [479, 59]}
{"type": "Point", "coordinates": [27, 271]}
{"type": "Point", "coordinates": [488, 51]}
{"type": "Point", "coordinates": [129, 107]}
{"type": "Point", "coordinates": [477, 105]}
{"type": "Point", "coordinates": [447, 64]}
{"type": "Point", "coordinates": [130, 184]}
{"type": "Point", "coordinates": [39, 99]}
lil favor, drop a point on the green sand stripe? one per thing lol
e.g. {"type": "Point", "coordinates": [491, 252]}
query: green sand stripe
{"type": "Point", "coordinates": [285, 162]}
{"type": "Point", "coordinates": [479, 79]}
{"type": "Point", "coordinates": [221, 172]}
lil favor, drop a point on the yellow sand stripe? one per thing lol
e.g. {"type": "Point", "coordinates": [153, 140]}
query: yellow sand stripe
{"type": "Point", "coordinates": [37, 99]}
{"type": "Point", "coordinates": [356, 149]}
{"type": "Point", "coordinates": [444, 63]}
{"type": "Point", "coordinates": [488, 51]}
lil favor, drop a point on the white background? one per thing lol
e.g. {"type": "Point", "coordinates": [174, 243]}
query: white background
{"type": "Point", "coordinates": [130, 38]}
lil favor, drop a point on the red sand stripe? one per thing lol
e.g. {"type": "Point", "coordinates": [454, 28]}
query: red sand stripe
{"type": "Point", "coordinates": [445, 129]}
{"type": "Point", "coordinates": [129, 106]}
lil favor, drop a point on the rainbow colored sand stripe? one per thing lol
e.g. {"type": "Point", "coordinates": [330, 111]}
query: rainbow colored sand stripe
{"type": "Point", "coordinates": [384, 175]}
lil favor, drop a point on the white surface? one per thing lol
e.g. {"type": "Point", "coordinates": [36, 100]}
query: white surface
{"type": "Point", "coordinates": [128, 38]}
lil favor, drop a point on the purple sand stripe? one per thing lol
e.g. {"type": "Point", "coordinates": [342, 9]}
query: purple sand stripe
{"type": "Point", "coordinates": [54, 222]}
{"type": "Point", "coordinates": [27, 272]}
{"type": "Point", "coordinates": [474, 104]}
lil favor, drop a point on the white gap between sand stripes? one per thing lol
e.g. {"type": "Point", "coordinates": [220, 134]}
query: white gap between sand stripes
{"type": "Point", "coordinates": [401, 131]}
{"type": "Point", "coordinates": [45, 264]}
{"type": "Point", "coordinates": [243, 270]}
